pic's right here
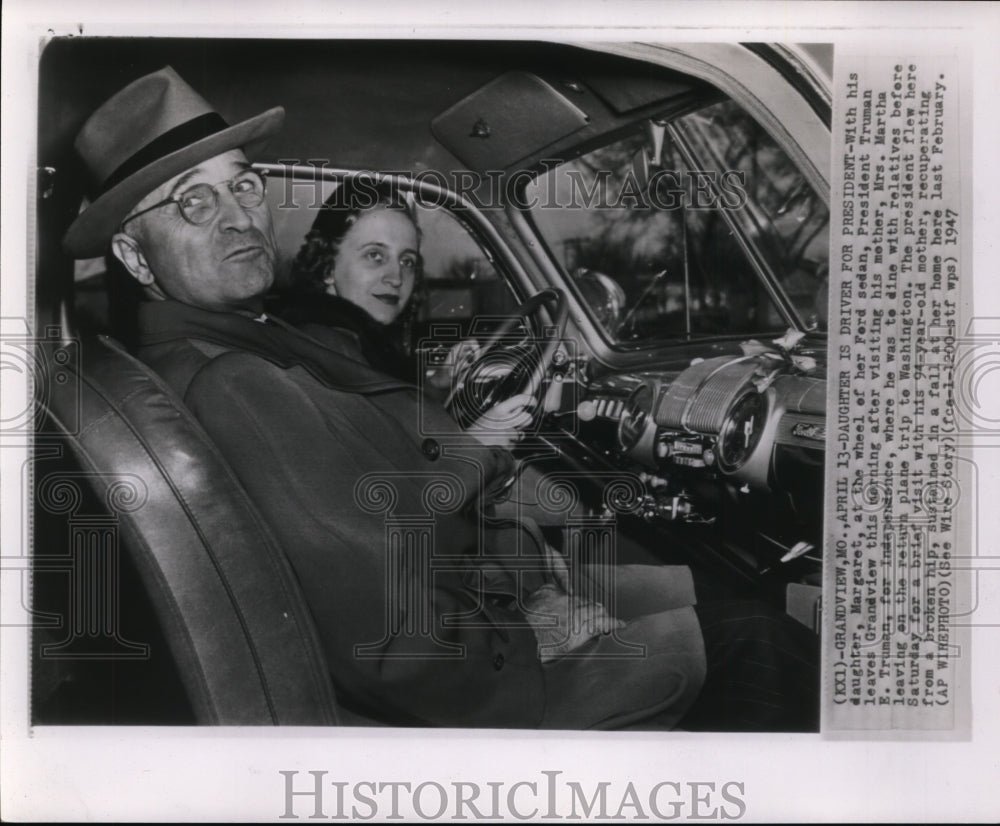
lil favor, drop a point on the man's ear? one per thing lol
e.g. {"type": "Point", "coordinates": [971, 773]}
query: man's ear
{"type": "Point", "coordinates": [127, 250]}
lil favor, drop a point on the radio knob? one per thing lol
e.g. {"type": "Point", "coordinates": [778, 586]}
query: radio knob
{"type": "Point", "coordinates": [586, 411]}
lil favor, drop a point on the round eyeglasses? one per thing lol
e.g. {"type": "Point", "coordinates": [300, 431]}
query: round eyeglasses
{"type": "Point", "coordinates": [199, 204]}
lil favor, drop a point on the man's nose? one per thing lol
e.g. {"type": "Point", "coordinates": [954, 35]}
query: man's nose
{"type": "Point", "coordinates": [232, 216]}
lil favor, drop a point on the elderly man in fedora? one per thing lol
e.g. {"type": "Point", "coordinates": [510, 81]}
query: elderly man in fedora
{"type": "Point", "coordinates": [301, 418]}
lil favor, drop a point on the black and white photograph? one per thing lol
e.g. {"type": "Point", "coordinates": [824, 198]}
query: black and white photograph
{"type": "Point", "coordinates": [453, 421]}
{"type": "Point", "coordinates": [454, 464]}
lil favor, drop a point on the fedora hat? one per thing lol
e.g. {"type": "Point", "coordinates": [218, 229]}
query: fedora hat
{"type": "Point", "coordinates": [153, 129]}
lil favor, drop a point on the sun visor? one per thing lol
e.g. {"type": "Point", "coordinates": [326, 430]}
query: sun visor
{"type": "Point", "coordinates": [627, 94]}
{"type": "Point", "coordinates": [508, 119]}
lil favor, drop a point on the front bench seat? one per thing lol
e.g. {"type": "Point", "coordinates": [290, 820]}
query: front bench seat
{"type": "Point", "coordinates": [226, 598]}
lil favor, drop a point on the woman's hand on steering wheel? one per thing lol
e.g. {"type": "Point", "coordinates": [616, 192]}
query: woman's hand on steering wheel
{"type": "Point", "coordinates": [507, 364]}
{"type": "Point", "coordinates": [460, 357]}
{"type": "Point", "coordinates": [504, 423]}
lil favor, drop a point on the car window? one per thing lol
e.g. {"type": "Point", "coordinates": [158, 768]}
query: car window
{"type": "Point", "coordinates": [699, 226]}
{"type": "Point", "coordinates": [460, 281]}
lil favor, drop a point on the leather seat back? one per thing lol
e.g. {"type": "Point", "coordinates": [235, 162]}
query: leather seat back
{"type": "Point", "coordinates": [230, 606]}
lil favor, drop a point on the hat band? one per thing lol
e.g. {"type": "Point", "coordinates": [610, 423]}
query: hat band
{"type": "Point", "coordinates": [170, 141]}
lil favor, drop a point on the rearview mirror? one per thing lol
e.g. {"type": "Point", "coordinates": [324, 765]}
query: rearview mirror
{"type": "Point", "coordinates": [649, 156]}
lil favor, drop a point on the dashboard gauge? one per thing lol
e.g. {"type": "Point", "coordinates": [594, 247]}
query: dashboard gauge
{"type": "Point", "coordinates": [741, 431]}
{"type": "Point", "coordinates": [634, 417]}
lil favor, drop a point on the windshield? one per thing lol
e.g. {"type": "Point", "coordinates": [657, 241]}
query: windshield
{"type": "Point", "coordinates": [700, 226]}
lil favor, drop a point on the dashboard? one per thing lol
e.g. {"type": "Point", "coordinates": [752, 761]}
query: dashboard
{"type": "Point", "coordinates": [726, 413]}
{"type": "Point", "coordinates": [735, 442]}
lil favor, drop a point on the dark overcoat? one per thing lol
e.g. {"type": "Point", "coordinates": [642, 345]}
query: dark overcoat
{"type": "Point", "coordinates": [381, 504]}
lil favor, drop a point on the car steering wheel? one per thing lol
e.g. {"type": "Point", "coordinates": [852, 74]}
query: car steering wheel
{"type": "Point", "coordinates": [523, 361]}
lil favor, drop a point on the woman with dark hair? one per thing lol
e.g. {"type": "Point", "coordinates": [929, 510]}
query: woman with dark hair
{"type": "Point", "coordinates": [360, 270]}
